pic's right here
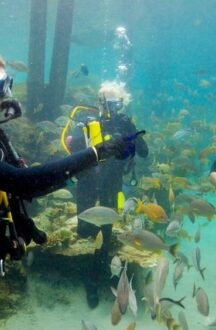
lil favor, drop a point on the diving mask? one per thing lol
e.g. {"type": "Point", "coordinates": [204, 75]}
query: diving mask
{"type": "Point", "coordinates": [112, 105]}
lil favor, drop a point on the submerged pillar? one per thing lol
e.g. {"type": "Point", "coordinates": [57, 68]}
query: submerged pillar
{"type": "Point", "coordinates": [36, 59]}
{"type": "Point", "coordinates": [59, 66]}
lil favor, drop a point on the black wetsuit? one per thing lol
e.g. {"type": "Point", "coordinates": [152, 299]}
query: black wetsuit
{"type": "Point", "coordinates": [39, 180]}
{"type": "Point", "coordinates": [24, 183]}
{"type": "Point", "coordinates": [102, 183]}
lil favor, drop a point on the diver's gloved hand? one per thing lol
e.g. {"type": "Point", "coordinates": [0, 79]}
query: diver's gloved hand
{"type": "Point", "coordinates": [121, 148]}
{"type": "Point", "coordinates": [11, 107]}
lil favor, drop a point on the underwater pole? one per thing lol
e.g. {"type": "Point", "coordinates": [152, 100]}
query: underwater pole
{"type": "Point", "coordinates": [36, 59]}
{"type": "Point", "coordinates": [60, 57]}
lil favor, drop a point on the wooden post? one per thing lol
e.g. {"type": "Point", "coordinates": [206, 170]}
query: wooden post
{"type": "Point", "coordinates": [60, 57]}
{"type": "Point", "coordinates": [37, 43]}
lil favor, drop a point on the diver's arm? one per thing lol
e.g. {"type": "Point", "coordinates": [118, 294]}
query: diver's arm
{"type": "Point", "coordinates": [141, 147]}
{"type": "Point", "coordinates": [38, 180]}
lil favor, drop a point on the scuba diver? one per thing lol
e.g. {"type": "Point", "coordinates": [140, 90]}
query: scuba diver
{"type": "Point", "coordinates": [103, 183]}
{"type": "Point", "coordinates": [19, 182]}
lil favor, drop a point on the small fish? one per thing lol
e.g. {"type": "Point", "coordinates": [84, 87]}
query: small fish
{"type": "Point", "coordinates": [183, 200]}
{"type": "Point", "coordinates": [197, 235]}
{"type": "Point", "coordinates": [202, 302]}
{"type": "Point", "coordinates": [210, 323]}
{"type": "Point", "coordinates": [183, 258]}
{"type": "Point", "coordinates": [159, 280]}
{"type": "Point", "coordinates": [173, 228]}
{"type": "Point", "coordinates": [87, 325]}
{"type": "Point", "coordinates": [175, 302]}
{"type": "Point", "coordinates": [181, 134]}
{"type": "Point", "coordinates": [204, 83]}
{"type": "Point", "coordinates": [178, 273]}
{"type": "Point", "coordinates": [149, 298]}
{"type": "Point", "coordinates": [196, 261]}
{"type": "Point", "coordinates": [183, 321]}
{"type": "Point", "coordinates": [84, 69]}
{"type": "Point", "coordinates": [17, 65]}
{"type": "Point", "coordinates": [123, 291]}
{"type": "Point", "coordinates": [132, 300]}
{"type": "Point", "coordinates": [203, 207]}
{"type": "Point", "coordinates": [115, 266]}
{"type": "Point", "coordinates": [200, 71]}
{"type": "Point", "coordinates": [129, 205]}
{"type": "Point", "coordinates": [137, 225]}
{"type": "Point", "coordinates": [153, 211]}
{"type": "Point", "coordinates": [146, 240]}
{"type": "Point", "coordinates": [131, 326]}
{"type": "Point", "coordinates": [149, 183]}
{"type": "Point", "coordinates": [171, 195]}
{"type": "Point", "coordinates": [98, 240]}
{"type": "Point", "coordinates": [99, 216]}
{"type": "Point", "coordinates": [116, 314]}
{"type": "Point", "coordinates": [185, 235]}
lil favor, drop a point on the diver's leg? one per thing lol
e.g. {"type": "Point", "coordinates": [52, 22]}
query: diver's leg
{"type": "Point", "coordinates": [86, 198]}
{"type": "Point", "coordinates": [25, 226]}
{"type": "Point", "coordinates": [99, 267]}
{"type": "Point", "coordinates": [27, 229]}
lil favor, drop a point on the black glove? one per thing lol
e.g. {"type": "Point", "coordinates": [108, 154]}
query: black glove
{"type": "Point", "coordinates": [11, 107]}
{"type": "Point", "coordinates": [121, 148]}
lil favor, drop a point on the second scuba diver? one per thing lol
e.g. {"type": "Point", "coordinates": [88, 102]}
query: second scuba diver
{"type": "Point", "coordinates": [103, 183]}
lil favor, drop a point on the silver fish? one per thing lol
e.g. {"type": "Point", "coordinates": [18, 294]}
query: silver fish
{"type": "Point", "coordinates": [183, 321]}
{"type": "Point", "coordinates": [99, 216]}
{"type": "Point", "coordinates": [130, 205]}
{"type": "Point", "coordinates": [160, 276]}
{"type": "Point", "coordinates": [201, 206]}
{"type": "Point", "coordinates": [149, 297]}
{"type": "Point", "coordinates": [197, 235]}
{"type": "Point", "coordinates": [132, 300]}
{"type": "Point", "coordinates": [116, 314]}
{"type": "Point", "coordinates": [202, 302]}
{"type": "Point", "coordinates": [146, 240]}
{"type": "Point", "coordinates": [137, 225]}
{"type": "Point", "coordinates": [182, 134]}
{"type": "Point", "coordinates": [173, 228]}
{"type": "Point", "coordinates": [123, 291]}
{"type": "Point", "coordinates": [88, 325]}
{"type": "Point", "coordinates": [17, 65]}
{"type": "Point", "coordinates": [196, 261]}
{"type": "Point", "coordinates": [183, 258]}
{"type": "Point", "coordinates": [115, 266]}
{"type": "Point", "coordinates": [178, 272]}
{"type": "Point", "coordinates": [210, 323]}
{"type": "Point", "coordinates": [159, 280]}
{"type": "Point", "coordinates": [167, 303]}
